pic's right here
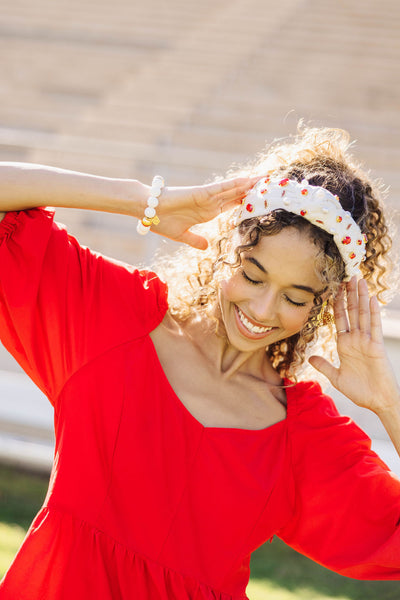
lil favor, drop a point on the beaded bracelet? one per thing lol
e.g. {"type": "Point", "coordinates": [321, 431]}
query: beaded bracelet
{"type": "Point", "coordinates": [150, 217]}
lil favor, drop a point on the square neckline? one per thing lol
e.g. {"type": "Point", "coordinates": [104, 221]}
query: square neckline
{"type": "Point", "coordinates": [178, 401]}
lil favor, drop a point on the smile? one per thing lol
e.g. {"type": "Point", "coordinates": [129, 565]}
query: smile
{"type": "Point", "coordinates": [251, 328]}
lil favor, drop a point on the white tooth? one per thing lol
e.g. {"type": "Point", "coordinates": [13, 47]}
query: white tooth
{"type": "Point", "coordinates": [250, 326]}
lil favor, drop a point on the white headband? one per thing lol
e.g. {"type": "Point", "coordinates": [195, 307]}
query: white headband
{"type": "Point", "coordinates": [317, 205]}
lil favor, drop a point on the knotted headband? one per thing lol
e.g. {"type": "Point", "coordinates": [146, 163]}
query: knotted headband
{"type": "Point", "coordinates": [316, 204]}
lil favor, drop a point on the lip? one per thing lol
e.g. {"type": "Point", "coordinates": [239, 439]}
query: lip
{"type": "Point", "coordinates": [246, 332]}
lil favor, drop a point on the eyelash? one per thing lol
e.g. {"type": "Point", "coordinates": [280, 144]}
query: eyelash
{"type": "Point", "coordinates": [253, 282]}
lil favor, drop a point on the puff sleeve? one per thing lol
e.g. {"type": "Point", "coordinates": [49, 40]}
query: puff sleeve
{"type": "Point", "coordinates": [346, 502]}
{"type": "Point", "coordinates": [61, 304]}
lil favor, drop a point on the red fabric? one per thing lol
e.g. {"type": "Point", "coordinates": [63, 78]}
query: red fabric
{"type": "Point", "coordinates": [347, 503]}
{"type": "Point", "coordinates": [144, 502]}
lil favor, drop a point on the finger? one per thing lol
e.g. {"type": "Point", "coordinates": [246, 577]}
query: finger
{"type": "Point", "coordinates": [194, 240]}
{"type": "Point", "coordinates": [352, 303]}
{"type": "Point", "coordinates": [230, 205]}
{"type": "Point", "coordinates": [324, 367]}
{"type": "Point", "coordinates": [231, 186]}
{"type": "Point", "coordinates": [376, 321]}
{"type": "Point", "coordinates": [363, 306]}
{"type": "Point", "coordinates": [238, 182]}
{"type": "Point", "coordinates": [341, 321]}
{"type": "Point", "coordinates": [229, 199]}
{"type": "Point", "coordinates": [233, 195]}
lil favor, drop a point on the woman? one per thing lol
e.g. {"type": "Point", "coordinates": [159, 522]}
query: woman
{"type": "Point", "coordinates": [184, 438]}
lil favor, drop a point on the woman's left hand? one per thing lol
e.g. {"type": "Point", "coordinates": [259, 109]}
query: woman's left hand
{"type": "Point", "coordinates": [364, 374]}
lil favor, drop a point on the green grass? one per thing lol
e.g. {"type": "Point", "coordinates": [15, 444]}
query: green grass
{"type": "Point", "coordinates": [278, 573]}
{"type": "Point", "coordinates": [287, 575]}
{"type": "Point", "coordinates": [11, 537]}
{"type": "Point", "coordinates": [21, 495]}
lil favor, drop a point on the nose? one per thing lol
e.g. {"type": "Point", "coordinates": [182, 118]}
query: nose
{"type": "Point", "coordinates": [263, 305]}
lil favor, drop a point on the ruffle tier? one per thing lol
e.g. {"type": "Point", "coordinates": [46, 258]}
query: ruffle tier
{"type": "Point", "coordinates": [68, 558]}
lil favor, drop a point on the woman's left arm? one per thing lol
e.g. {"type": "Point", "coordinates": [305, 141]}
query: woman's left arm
{"type": "Point", "coordinates": [364, 375]}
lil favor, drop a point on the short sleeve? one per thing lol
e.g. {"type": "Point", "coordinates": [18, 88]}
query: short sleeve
{"type": "Point", "coordinates": [62, 304]}
{"type": "Point", "coordinates": [346, 504]}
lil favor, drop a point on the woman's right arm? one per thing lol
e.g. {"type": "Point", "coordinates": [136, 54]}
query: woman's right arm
{"type": "Point", "coordinates": [60, 303]}
{"type": "Point", "coordinates": [25, 185]}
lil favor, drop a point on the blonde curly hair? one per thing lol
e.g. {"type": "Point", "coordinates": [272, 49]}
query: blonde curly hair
{"type": "Point", "coordinates": [322, 156]}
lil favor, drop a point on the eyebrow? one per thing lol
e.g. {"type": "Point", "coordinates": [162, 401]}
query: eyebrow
{"type": "Point", "coordinates": [304, 288]}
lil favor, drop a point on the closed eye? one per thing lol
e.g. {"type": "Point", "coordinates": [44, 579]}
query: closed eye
{"type": "Point", "coordinates": [247, 278]}
{"type": "Point", "coordinates": [256, 282]}
{"type": "Point", "coordinates": [293, 302]}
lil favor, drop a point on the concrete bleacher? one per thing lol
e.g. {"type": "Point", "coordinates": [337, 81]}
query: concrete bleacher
{"type": "Point", "coordinates": [186, 89]}
{"type": "Point", "coordinates": [193, 87]}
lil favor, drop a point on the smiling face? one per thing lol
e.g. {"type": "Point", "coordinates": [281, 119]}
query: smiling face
{"type": "Point", "coordinates": [269, 297]}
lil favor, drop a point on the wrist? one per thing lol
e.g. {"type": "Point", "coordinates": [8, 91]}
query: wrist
{"type": "Point", "coordinates": [390, 419]}
{"type": "Point", "coordinates": [389, 411]}
{"type": "Point", "coordinates": [131, 197]}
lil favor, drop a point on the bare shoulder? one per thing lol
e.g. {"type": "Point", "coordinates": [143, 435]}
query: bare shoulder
{"type": "Point", "coordinates": [166, 333]}
{"type": "Point", "coordinates": [167, 325]}
{"type": "Point", "coordinates": [2, 215]}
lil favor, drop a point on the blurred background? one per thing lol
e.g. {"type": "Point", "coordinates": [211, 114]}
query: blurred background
{"type": "Point", "coordinates": [187, 89]}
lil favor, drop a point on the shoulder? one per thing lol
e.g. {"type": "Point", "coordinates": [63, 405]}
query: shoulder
{"type": "Point", "coordinates": [23, 220]}
{"type": "Point", "coordinates": [314, 413]}
{"type": "Point", "coordinates": [318, 431]}
{"type": "Point", "coordinates": [307, 397]}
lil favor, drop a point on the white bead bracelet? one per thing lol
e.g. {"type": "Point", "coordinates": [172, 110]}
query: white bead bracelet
{"type": "Point", "coordinates": [150, 217]}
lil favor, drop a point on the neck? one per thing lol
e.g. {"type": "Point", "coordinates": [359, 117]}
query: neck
{"type": "Point", "coordinates": [228, 360]}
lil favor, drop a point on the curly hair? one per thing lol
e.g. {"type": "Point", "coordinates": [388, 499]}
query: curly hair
{"type": "Point", "coordinates": [322, 156]}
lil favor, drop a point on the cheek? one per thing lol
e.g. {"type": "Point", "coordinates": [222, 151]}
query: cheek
{"type": "Point", "coordinates": [230, 289]}
{"type": "Point", "coordinates": [296, 318]}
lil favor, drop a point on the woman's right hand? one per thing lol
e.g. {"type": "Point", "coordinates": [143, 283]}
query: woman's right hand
{"type": "Point", "coordinates": [180, 208]}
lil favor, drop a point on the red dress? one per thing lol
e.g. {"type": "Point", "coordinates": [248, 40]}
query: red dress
{"type": "Point", "coordinates": [144, 502]}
